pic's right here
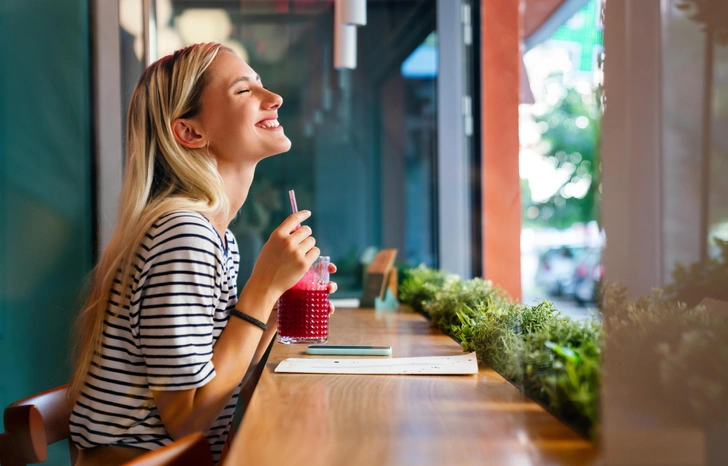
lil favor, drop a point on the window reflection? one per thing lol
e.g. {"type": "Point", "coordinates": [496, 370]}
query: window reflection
{"type": "Point", "coordinates": [695, 147]}
{"type": "Point", "coordinates": [363, 155]}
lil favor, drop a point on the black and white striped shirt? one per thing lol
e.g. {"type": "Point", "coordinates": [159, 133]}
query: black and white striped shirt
{"type": "Point", "coordinates": [184, 283]}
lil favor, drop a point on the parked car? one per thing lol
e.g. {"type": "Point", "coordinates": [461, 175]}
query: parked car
{"type": "Point", "coordinates": [587, 277]}
{"type": "Point", "coordinates": [571, 272]}
{"type": "Point", "coordinates": [555, 271]}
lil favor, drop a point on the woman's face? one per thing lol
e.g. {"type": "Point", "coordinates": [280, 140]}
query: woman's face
{"type": "Point", "coordinates": [238, 115]}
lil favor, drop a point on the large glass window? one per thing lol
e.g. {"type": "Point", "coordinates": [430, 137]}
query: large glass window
{"type": "Point", "coordinates": [363, 155]}
{"type": "Point", "coordinates": [560, 169]}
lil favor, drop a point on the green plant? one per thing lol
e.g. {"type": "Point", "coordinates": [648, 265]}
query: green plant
{"type": "Point", "coordinates": [702, 279]}
{"type": "Point", "coordinates": [551, 357]}
{"type": "Point", "coordinates": [639, 327]}
{"type": "Point", "coordinates": [671, 357]}
{"type": "Point", "coordinates": [420, 284]}
{"type": "Point", "coordinates": [667, 358]}
{"type": "Point", "coordinates": [562, 363]}
{"type": "Point", "coordinates": [570, 141]}
{"type": "Point", "coordinates": [693, 375]}
{"type": "Point", "coordinates": [456, 300]}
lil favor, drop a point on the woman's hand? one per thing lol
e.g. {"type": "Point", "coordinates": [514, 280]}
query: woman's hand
{"type": "Point", "coordinates": [285, 257]}
{"type": "Point", "coordinates": [332, 288]}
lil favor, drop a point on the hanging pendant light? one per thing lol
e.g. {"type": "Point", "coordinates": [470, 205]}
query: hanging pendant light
{"type": "Point", "coordinates": [353, 12]}
{"type": "Point", "coordinates": [344, 40]}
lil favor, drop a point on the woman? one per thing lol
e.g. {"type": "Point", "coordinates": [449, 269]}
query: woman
{"type": "Point", "coordinates": [164, 358]}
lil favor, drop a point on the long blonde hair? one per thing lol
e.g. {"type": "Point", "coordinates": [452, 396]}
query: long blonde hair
{"type": "Point", "coordinates": [160, 176]}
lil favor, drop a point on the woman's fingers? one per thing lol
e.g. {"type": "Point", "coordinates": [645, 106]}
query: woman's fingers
{"type": "Point", "coordinates": [293, 221]}
{"type": "Point", "coordinates": [332, 309]}
{"type": "Point", "coordinates": [313, 254]}
{"type": "Point", "coordinates": [332, 268]}
{"type": "Point", "coordinates": [308, 243]}
{"type": "Point", "coordinates": [333, 287]}
{"type": "Point", "coordinates": [301, 234]}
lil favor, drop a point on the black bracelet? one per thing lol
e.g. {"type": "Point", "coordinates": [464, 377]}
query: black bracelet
{"type": "Point", "coordinates": [250, 319]}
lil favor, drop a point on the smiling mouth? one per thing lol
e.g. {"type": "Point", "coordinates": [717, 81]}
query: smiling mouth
{"type": "Point", "coordinates": [269, 124]}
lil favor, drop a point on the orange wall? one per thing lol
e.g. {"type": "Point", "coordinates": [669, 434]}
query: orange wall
{"type": "Point", "coordinates": [500, 61]}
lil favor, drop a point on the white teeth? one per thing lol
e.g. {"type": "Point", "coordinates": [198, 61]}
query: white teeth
{"type": "Point", "coordinates": [270, 124]}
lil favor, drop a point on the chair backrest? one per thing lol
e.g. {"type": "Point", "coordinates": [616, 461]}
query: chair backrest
{"type": "Point", "coordinates": [192, 449]}
{"type": "Point", "coordinates": [32, 424]}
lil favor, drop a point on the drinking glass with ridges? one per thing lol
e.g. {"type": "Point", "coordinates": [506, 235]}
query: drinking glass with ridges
{"type": "Point", "coordinates": [303, 311]}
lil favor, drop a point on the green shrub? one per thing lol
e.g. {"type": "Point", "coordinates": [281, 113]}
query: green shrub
{"type": "Point", "coordinates": [695, 387]}
{"type": "Point", "coordinates": [702, 279]}
{"type": "Point", "coordinates": [682, 352]}
{"type": "Point", "coordinates": [420, 284]}
{"type": "Point", "coordinates": [551, 357]}
{"type": "Point", "coordinates": [495, 331]}
{"type": "Point", "coordinates": [456, 300]}
{"type": "Point", "coordinates": [641, 327]}
{"type": "Point", "coordinates": [562, 367]}
{"type": "Point", "coordinates": [657, 343]}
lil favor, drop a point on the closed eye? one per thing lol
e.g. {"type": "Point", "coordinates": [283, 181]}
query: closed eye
{"type": "Point", "coordinates": [242, 91]}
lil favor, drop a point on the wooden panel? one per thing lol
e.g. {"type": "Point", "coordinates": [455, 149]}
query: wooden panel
{"type": "Point", "coordinates": [501, 61]}
{"type": "Point", "coordinates": [397, 420]}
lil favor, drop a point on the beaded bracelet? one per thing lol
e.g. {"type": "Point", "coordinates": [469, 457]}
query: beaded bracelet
{"type": "Point", "coordinates": [250, 319]}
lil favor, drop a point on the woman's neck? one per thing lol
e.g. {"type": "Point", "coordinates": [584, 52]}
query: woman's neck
{"type": "Point", "coordinates": [236, 179]}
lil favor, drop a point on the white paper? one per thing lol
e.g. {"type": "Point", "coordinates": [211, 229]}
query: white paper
{"type": "Point", "coordinates": [436, 365]}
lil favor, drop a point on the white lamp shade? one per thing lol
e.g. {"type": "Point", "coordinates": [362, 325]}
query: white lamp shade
{"type": "Point", "coordinates": [344, 46]}
{"type": "Point", "coordinates": [353, 12]}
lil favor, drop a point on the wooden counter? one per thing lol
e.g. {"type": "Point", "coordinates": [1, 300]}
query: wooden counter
{"type": "Point", "coordinates": [315, 419]}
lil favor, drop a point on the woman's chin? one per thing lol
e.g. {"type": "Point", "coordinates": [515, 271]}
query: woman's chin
{"type": "Point", "coordinates": [283, 146]}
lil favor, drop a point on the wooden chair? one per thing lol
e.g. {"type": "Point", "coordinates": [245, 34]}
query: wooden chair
{"type": "Point", "coordinates": [34, 423]}
{"type": "Point", "coordinates": [192, 449]}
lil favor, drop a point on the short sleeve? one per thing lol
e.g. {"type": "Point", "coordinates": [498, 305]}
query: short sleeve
{"type": "Point", "coordinates": [176, 308]}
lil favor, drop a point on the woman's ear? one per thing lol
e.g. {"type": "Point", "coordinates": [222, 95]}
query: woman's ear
{"type": "Point", "coordinates": [189, 133]}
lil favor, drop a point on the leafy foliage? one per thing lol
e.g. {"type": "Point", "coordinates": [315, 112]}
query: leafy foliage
{"type": "Point", "coordinates": [702, 279]}
{"type": "Point", "coordinates": [656, 342]}
{"type": "Point", "coordinates": [696, 387]}
{"type": "Point", "coordinates": [671, 354]}
{"type": "Point", "coordinates": [420, 284]}
{"type": "Point", "coordinates": [570, 140]}
{"type": "Point", "coordinates": [551, 357]}
{"type": "Point", "coordinates": [562, 364]}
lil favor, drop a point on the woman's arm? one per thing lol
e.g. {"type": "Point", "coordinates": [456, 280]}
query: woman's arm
{"type": "Point", "coordinates": [282, 262]}
{"type": "Point", "coordinates": [186, 411]}
{"type": "Point", "coordinates": [263, 344]}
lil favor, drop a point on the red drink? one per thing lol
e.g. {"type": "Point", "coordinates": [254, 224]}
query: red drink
{"type": "Point", "coordinates": [303, 311]}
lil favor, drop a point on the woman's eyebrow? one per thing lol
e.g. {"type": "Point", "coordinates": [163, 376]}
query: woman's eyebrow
{"type": "Point", "coordinates": [244, 79]}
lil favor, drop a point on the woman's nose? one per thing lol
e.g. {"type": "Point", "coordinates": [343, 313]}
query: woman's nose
{"type": "Point", "coordinates": [273, 101]}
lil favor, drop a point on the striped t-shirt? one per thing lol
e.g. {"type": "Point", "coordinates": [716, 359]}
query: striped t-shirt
{"type": "Point", "coordinates": [184, 283]}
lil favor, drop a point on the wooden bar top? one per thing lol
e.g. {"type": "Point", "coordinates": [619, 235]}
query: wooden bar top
{"type": "Point", "coordinates": [323, 419]}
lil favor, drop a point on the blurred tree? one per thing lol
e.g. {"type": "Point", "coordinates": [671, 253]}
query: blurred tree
{"type": "Point", "coordinates": [570, 141]}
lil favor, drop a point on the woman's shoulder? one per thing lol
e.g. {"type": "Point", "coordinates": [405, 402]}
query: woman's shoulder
{"type": "Point", "coordinates": [182, 228]}
{"type": "Point", "coordinates": [185, 219]}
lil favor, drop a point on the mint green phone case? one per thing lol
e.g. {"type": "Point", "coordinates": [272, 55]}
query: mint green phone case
{"type": "Point", "coordinates": [349, 350]}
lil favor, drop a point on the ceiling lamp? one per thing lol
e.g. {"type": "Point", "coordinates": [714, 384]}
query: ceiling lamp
{"type": "Point", "coordinates": [354, 12]}
{"type": "Point", "coordinates": [348, 14]}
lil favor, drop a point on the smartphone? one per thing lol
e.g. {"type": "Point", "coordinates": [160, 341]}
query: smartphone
{"type": "Point", "coordinates": [350, 350]}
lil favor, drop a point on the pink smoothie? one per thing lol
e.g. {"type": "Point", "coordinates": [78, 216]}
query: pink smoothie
{"type": "Point", "coordinates": [303, 312]}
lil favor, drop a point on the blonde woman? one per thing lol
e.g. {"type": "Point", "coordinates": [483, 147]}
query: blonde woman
{"type": "Point", "coordinates": [164, 339]}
